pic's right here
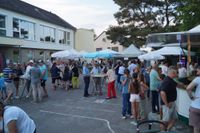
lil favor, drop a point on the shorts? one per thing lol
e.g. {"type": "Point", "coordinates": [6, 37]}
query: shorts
{"type": "Point", "coordinates": [54, 80]}
{"type": "Point", "coordinates": [169, 113]}
{"type": "Point", "coordinates": [43, 82]}
{"type": "Point", "coordinates": [10, 87]}
{"type": "Point", "coordinates": [194, 117]}
{"type": "Point", "coordinates": [135, 98]}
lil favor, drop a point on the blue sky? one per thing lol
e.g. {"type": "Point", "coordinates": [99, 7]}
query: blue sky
{"type": "Point", "coordinates": [90, 14]}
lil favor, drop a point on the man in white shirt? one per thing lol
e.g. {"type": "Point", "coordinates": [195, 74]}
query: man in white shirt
{"type": "Point", "coordinates": [15, 120]}
{"type": "Point", "coordinates": [194, 118]}
{"type": "Point", "coordinates": [182, 72]}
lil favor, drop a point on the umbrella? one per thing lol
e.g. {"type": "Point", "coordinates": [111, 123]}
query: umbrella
{"type": "Point", "coordinates": [107, 53]}
{"type": "Point", "coordinates": [70, 54]}
{"type": "Point", "coordinates": [151, 56]}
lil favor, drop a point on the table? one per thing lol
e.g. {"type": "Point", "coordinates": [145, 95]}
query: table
{"type": "Point", "coordinates": [98, 83]}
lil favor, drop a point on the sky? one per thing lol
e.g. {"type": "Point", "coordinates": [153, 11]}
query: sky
{"type": "Point", "coordinates": [89, 14]}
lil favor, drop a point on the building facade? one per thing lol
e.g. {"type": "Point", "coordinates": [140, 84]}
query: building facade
{"type": "Point", "coordinates": [28, 32]}
{"type": "Point", "coordinates": [102, 42]}
{"type": "Point", "coordinates": [84, 40]}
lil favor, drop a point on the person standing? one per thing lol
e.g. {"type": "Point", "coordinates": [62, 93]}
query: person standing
{"type": "Point", "coordinates": [27, 78]}
{"type": "Point", "coordinates": [194, 114]}
{"type": "Point", "coordinates": [126, 107]}
{"type": "Point", "coordinates": [8, 78]}
{"type": "Point", "coordinates": [15, 120]}
{"type": "Point", "coordinates": [111, 93]}
{"type": "Point", "coordinates": [168, 95]}
{"type": "Point", "coordinates": [17, 72]}
{"type": "Point", "coordinates": [55, 74]}
{"type": "Point", "coordinates": [75, 76]}
{"type": "Point", "coordinates": [154, 81]}
{"type": "Point", "coordinates": [134, 89]}
{"type": "Point", "coordinates": [86, 78]}
{"type": "Point", "coordinates": [44, 77]}
{"type": "Point", "coordinates": [97, 81]}
{"type": "Point", "coordinates": [35, 75]}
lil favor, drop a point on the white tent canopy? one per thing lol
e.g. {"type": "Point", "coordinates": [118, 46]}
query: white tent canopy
{"type": "Point", "coordinates": [172, 51]}
{"type": "Point", "coordinates": [194, 30]}
{"type": "Point", "coordinates": [70, 54]}
{"type": "Point", "coordinates": [151, 56]}
{"type": "Point", "coordinates": [131, 51]}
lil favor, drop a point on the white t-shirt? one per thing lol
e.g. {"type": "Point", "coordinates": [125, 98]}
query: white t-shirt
{"type": "Point", "coordinates": [27, 72]}
{"type": "Point", "coordinates": [121, 70]}
{"type": "Point", "coordinates": [111, 75]}
{"type": "Point", "coordinates": [164, 69]}
{"type": "Point", "coordinates": [196, 103]}
{"type": "Point", "coordinates": [182, 72]}
{"type": "Point", "coordinates": [24, 123]}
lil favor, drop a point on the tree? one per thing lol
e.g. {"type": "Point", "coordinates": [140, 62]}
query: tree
{"type": "Point", "coordinates": [138, 18]}
{"type": "Point", "coordinates": [189, 11]}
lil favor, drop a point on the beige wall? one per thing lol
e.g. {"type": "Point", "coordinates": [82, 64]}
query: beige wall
{"type": "Point", "coordinates": [102, 42]}
{"type": "Point", "coordinates": [84, 40]}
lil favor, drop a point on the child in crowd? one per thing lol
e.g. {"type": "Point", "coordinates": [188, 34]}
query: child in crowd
{"type": "Point", "coordinates": [2, 86]}
{"type": "Point", "coordinates": [143, 90]}
{"type": "Point", "coordinates": [134, 89]}
{"type": "Point", "coordinates": [126, 107]}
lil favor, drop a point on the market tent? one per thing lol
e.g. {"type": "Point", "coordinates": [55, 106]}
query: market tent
{"type": "Point", "coordinates": [106, 53]}
{"type": "Point", "coordinates": [172, 51]}
{"type": "Point", "coordinates": [194, 30]}
{"type": "Point", "coordinates": [151, 56]}
{"type": "Point", "coordinates": [69, 54]}
{"type": "Point", "coordinates": [131, 51]}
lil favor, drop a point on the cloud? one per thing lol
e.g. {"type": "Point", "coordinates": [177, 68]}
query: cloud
{"type": "Point", "coordinates": [81, 13]}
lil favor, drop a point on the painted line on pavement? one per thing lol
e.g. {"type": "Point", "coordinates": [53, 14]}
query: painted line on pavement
{"type": "Point", "coordinates": [80, 116]}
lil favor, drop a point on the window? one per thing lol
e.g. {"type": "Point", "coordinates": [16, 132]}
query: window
{"type": "Point", "coordinates": [115, 49]}
{"type": "Point", "coordinates": [47, 34]}
{"type": "Point", "coordinates": [61, 37]}
{"type": "Point", "coordinates": [98, 49]}
{"type": "Point", "coordinates": [104, 40]}
{"type": "Point", "coordinates": [23, 29]}
{"type": "Point", "coordinates": [68, 38]}
{"type": "Point", "coordinates": [2, 25]}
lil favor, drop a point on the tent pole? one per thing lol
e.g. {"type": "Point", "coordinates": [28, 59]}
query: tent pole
{"type": "Point", "coordinates": [188, 56]}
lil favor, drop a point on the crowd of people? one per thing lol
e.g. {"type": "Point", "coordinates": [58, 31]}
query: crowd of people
{"type": "Point", "coordinates": [135, 82]}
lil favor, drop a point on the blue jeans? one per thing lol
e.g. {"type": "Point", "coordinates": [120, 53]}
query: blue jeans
{"type": "Point", "coordinates": [126, 104]}
{"type": "Point", "coordinates": [155, 101]}
{"type": "Point", "coordinates": [87, 82]}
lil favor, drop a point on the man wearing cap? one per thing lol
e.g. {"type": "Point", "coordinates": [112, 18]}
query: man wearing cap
{"type": "Point", "coordinates": [27, 77]}
{"type": "Point", "coordinates": [8, 77]}
{"type": "Point", "coordinates": [15, 120]}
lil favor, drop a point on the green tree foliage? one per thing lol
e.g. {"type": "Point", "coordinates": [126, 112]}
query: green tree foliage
{"type": "Point", "coordinates": [189, 14]}
{"type": "Point", "coordinates": [138, 18]}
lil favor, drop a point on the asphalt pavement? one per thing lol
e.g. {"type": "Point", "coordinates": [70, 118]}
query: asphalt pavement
{"type": "Point", "coordinates": [69, 112]}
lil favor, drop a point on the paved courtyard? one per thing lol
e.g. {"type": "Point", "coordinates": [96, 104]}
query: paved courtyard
{"type": "Point", "coordinates": [70, 112]}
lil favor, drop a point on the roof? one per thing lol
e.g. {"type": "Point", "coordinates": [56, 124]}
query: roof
{"type": "Point", "coordinates": [34, 12]}
{"type": "Point", "coordinates": [196, 29]}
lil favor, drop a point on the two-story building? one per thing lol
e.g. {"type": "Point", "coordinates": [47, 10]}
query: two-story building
{"type": "Point", "coordinates": [84, 40]}
{"type": "Point", "coordinates": [102, 42]}
{"type": "Point", "coordinates": [28, 32]}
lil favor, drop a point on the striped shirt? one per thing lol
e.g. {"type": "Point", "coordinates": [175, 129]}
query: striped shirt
{"type": "Point", "coordinates": [6, 72]}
